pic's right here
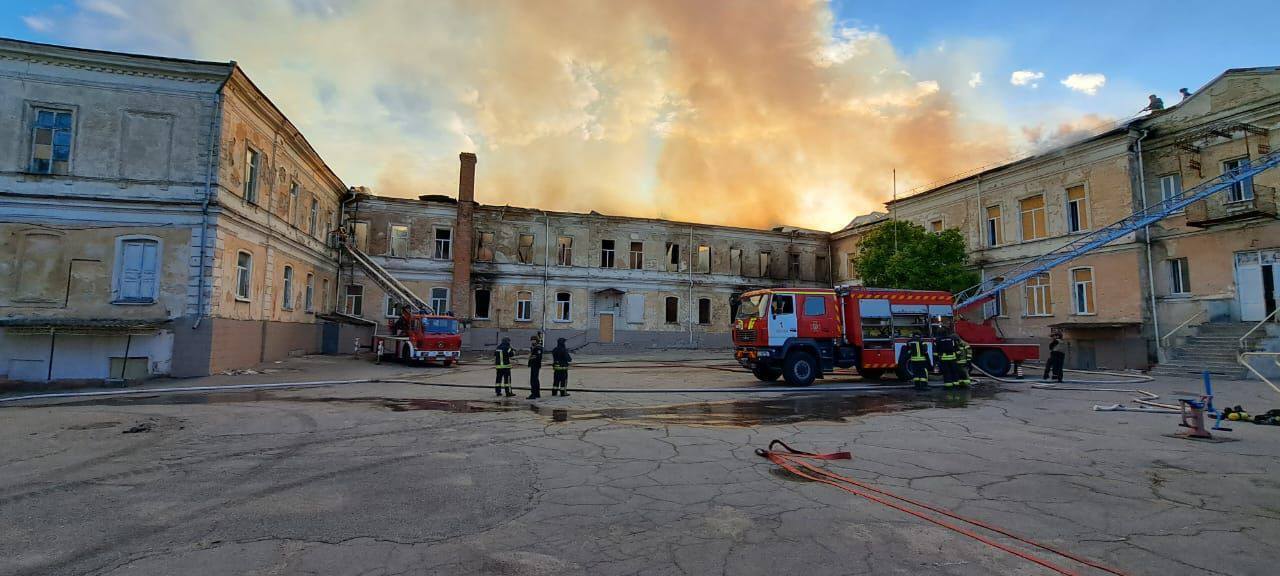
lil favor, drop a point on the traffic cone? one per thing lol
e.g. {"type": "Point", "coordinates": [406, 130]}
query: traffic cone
{"type": "Point", "coordinates": [1017, 370]}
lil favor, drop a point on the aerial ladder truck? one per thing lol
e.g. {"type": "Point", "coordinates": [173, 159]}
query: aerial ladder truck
{"type": "Point", "coordinates": [802, 333]}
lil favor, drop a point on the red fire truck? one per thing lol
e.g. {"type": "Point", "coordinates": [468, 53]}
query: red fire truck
{"type": "Point", "coordinates": [419, 337]}
{"type": "Point", "coordinates": [801, 333]}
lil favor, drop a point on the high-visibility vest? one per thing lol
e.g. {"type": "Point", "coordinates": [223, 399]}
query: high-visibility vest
{"type": "Point", "coordinates": [503, 360]}
{"type": "Point", "coordinates": [947, 356]}
{"type": "Point", "coordinates": [917, 351]}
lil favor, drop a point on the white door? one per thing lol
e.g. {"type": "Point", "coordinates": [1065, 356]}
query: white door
{"type": "Point", "coordinates": [782, 318]}
{"type": "Point", "coordinates": [1253, 306]}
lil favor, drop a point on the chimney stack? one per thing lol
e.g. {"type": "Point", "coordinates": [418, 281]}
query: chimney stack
{"type": "Point", "coordinates": [467, 177]}
{"type": "Point", "coordinates": [463, 237]}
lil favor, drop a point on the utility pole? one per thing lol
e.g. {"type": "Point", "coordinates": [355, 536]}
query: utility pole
{"type": "Point", "coordinates": [893, 217]}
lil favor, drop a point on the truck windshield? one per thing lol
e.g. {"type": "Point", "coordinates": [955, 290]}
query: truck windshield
{"type": "Point", "coordinates": [751, 306]}
{"type": "Point", "coordinates": [439, 326]}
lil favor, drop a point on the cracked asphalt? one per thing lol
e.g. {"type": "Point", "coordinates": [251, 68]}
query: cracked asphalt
{"type": "Point", "coordinates": [384, 479]}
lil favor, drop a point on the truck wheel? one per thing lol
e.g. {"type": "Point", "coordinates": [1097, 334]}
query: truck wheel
{"type": "Point", "coordinates": [766, 373]}
{"type": "Point", "coordinates": [871, 373]}
{"type": "Point", "coordinates": [993, 362]}
{"type": "Point", "coordinates": [800, 369]}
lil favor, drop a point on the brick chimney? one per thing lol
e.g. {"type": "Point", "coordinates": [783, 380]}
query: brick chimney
{"type": "Point", "coordinates": [463, 237]}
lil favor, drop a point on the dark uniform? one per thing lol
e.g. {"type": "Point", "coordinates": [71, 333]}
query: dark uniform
{"type": "Point", "coordinates": [916, 357]}
{"type": "Point", "coordinates": [535, 366]}
{"type": "Point", "coordinates": [945, 346]}
{"type": "Point", "coordinates": [560, 360]}
{"type": "Point", "coordinates": [1056, 359]}
{"type": "Point", "coordinates": [964, 356]}
{"type": "Point", "coordinates": [502, 362]}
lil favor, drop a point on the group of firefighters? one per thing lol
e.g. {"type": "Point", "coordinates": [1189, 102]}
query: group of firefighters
{"type": "Point", "coordinates": [953, 358]}
{"type": "Point", "coordinates": [560, 360]}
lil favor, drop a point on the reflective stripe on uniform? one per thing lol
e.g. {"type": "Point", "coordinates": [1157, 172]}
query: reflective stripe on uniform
{"type": "Point", "coordinates": [948, 356]}
{"type": "Point", "coordinates": [559, 367]}
{"type": "Point", "coordinates": [502, 366]}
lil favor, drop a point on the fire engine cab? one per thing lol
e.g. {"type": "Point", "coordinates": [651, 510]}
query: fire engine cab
{"type": "Point", "coordinates": [800, 334]}
{"type": "Point", "coordinates": [420, 337]}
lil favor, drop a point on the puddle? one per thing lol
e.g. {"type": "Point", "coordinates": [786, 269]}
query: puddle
{"type": "Point", "coordinates": [790, 409]}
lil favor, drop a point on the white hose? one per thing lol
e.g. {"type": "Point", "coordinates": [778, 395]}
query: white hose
{"type": "Point", "coordinates": [1129, 378]}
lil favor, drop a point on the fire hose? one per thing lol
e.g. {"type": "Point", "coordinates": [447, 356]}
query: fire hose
{"type": "Point", "coordinates": [792, 461]}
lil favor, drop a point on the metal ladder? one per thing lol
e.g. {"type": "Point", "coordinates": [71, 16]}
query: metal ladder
{"type": "Point", "coordinates": [394, 288]}
{"type": "Point", "coordinates": [1084, 244]}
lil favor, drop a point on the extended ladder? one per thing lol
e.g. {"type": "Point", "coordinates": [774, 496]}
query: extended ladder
{"type": "Point", "coordinates": [398, 292]}
{"type": "Point", "coordinates": [1101, 237]}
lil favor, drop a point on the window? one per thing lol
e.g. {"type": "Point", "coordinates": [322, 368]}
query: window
{"type": "Point", "coordinates": [995, 232]}
{"type": "Point", "coordinates": [763, 264]}
{"type": "Point", "coordinates": [637, 255]}
{"type": "Point", "coordinates": [244, 268]}
{"type": "Point", "coordinates": [563, 307]}
{"type": "Point", "coordinates": [51, 141]}
{"type": "Point", "coordinates": [782, 305]}
{"type": "Point", "coordinates": [673, 310]}
{"type": "Point", "coordinates": [820, 269]}
{"type": "Point", "coordinates": [291, 211]}
{"type": "Point", "coordinates": [324, 294]}
{"type": "Point", "coordinates": [443, 244]}
{"type": "Point", "coordinates": [1077, 209]}
{"type": "Point", "coordinates": [704, 259]}
{"type": "Point", "coordinates": [1170, 186]}
{"type": "Point", "coordinates": [815, 306]}
{"type": "Point", "coordinates": [440, 300]}
{"type": "Point", "coordinates": [355, 300]}
{"type": "Point", "coordinates": [851, 265]}
{"type": "Point", "coordinates": [995, 306]}
{"type": "Point", "coordinates": [1179, 276]}
{"type": "Point", "coordinates": [1033, 226]}
{"type": "Point", "coordinates": [1242, 190]}
{"type": "Point", "coordinates": [735, 261]}
{"type": "Point", "coordinates": [673, 257]}
{"type": "Point", "coordinates": [606, 253]}
{"type": "Point", "coordinates": [136, 270]}
{"type": "Point", "coordinates": [328, 225]}
{"type": "Point", "coordinates": [704, 310]}
{"type": "Point", "coordinates": [390, 308]}
{"type": "Point", "coordinates": [286, 300]}
{"type": "Point", "coordinates": [564, 251]}
{"type": "Point", "coordinates": [524, 249]}
{"type": "Point", "coordinates": [793, 266]}
{"type": "Point", "coordinates": [314, 216]}
{"type": "Point", "coordinates": [484, 247]}
{"type": "Point", "coordinates": [1039, 296]}
{"type": "Point", "coordinates": [1082, 301]}
{"type": "Point", "coordinates": [309, 294]}
{"type": "Point", "coordinates": [524, 306]}
{"type": "Point", "coordinates": [399, 244]}
{"type": "Point", "coordinates": [251, 161]}
{"type": "Point", "coordinates": [935, 226]}
{"type": "Point", "coordinates": [482, 304]}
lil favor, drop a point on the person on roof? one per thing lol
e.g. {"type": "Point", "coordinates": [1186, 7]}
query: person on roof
{"type": "Point", "coordinates": [1154, 104]}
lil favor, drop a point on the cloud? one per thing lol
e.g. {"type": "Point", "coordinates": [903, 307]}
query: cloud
{"type": "Point", "coordinates": [975, 80]}
{"type": "Point", "coordinates": [1026, 78]}
{"type": "Point", "coordinates": [104, 7]}
{"type": "Point", "coordinates": [38, 23]}
{"type": "Point", "coordinates": [1085, 83]}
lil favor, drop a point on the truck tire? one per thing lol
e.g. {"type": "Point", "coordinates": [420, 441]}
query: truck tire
{"type": "Point", "coordinates": [992, 361]}
{"type": "Point", "coordinates": [800, 368]}
{"type": "Point", "coordinates": [766, 373]}
{"type": "Point", "coordinates": [871, 373]}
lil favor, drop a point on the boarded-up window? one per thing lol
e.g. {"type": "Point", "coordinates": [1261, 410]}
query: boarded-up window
{"type": "Point", "coordinates": [1077, 209]}
{"type": "Point", "coordinates": [673, 309]}
{"type": "Point", "coordinates": [524, 250]}
{"type": "Point", "coordinates": [137, 271]}
{"type": "Point", "coordinates": [144, 145]}
{"type": "Point", "coordinates": [564, 251]}
{"type": "Point", "coordinates": [704, 259]}
{"type": "Point", "coordinates": [635, 308]}
{"type": "Point", "coordinates": [704, 310]}
{"type": "Point", "coordinates": [935, 226]}
{"type": "Point", "coordinates": [637, 255]}
{"type": "Point", "coordinates": [1082, 291]}
{"type": "Point", "coordinates": [1033, 225]}
{"type": "Point", "coordinates": [484, 247]}
{"type": "Point", "coordinates": [482, 304]}
{"type": "Point", "coordinates": [735, 261]}
{"type": "Point", "coordinates": [851, 266]}
{"type": "Point", "coordinates": [399, 245]}
{"type": "Point", "coordinates": [995, 232]}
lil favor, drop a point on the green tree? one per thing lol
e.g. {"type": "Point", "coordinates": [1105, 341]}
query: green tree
{"type": "Point", "coordinates": [915, 260]}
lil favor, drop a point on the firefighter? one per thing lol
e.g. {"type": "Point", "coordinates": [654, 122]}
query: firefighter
{"type": "Point", "coordinates": [916, 356]}
{"type": "Point", "coordinates": [945, 346]}
{"type": "Point", "coordinates": [502, 362]}
{"type": "Point", "coordinates": [1056, 358]}
{"type": "Point", "coordinates": [964, 355]}
{"type": "Point", "coordinates": [560, 360]}
{"type": "Point", "coordinates": [535, 367]}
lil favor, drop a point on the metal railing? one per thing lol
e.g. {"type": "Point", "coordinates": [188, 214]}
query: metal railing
{"type": "Point", "coordinates": [1164, 340]}
{"type": "Point", "coordinates": [1243, 359]}
{"type": "Point", "coordinates": [1255, 327]}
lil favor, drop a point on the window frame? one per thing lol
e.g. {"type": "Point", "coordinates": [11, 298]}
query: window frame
{"type": "Point", "coordinates": [703, 249]}
{"type": "Point", "coordinates": [1091, 297]}
{"type": "Point", "coordinates": [669, 315]}
{"type": "Point", "coordinates": [246, 280]}
{"type": "Point", "coordinates": [1179, 276]}
{"type": "Point", "coordinates": [286, 288]}
{"type": "Point", "coordinates": [118, 269]}
{"type": "Point", "coordinates": [1044, 218]}
{"type": "Point", "coordinates": [475, 304]}
{"type": "Point", "coordinates": [564, 251]}
{"type": "Point", "coordinates": [252, 174]}
{"type": "Point", "coordinates": [735, 261]}
{"type": "Point", "coordinates": [937, 225]}
{"type": "Point", "coordinates": [636, 257]}
{"type": "Point", "coordinates": [295, 195]}
{"type": "Point", "coordinates": [564, 308]}
{"type": "Point", "coordinates": [1245, 187]}
{"type": "Point", "coordinates": [994, 226]}
{"type": "Point", "coordinates": [1045, 290]}
{"type": "Point", "coordinates": [33, 110]}
{"type": "Point", "coordinates": [1172, 177]}
{"type": "Point", "coordinates": [821, 300]}
{"type": "Point", "coordinates": [482, 246]}
{"type": "Point", "coordinates": [432, 299]}
{"type": "Point", "coordinates": [795, 266]}
{"type": "Point", "coordinates": [821, 268]}
{"type": "Point", "coordinates": [309, 294]}
{"type": "Point", "coordinates": [441, 249]}
{"type": "Point", "coordinates": [526, 303]}
{"type": "Point", "coordinates": [390, 309]}
{"type": "Point", "coordinates": [391, 240]}
{"type": "Point", "coordinates": [764, 262]}
{"type": "Point", "coordinates": [608, 256]}
{"type": "Point", "coordinates": [348, 298]}
{"type": "Point", "coordinates": [314, 217]}
{"type": "Point", "coordinates": [996, 307]}
{"type": "Point", "coordinates": [1083, 221]}
{"type": "Point", "coordinates": [673, 257]}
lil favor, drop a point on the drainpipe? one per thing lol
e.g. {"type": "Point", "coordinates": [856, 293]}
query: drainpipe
{"type": "Point", "coordinates": [546, 267]}
{"type": "Point", "coordinates": [690, 303]}
{"type": "Point", "coordinates": [1146, 238]}
{"type": "Point", "coordinates": [215, 123]}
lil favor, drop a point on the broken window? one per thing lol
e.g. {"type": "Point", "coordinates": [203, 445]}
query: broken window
{"type": "Point", "coordinates": [482, 304]}
{"type": "Point", "coordinates": [673, 310]}
{"type": "Point", "coordinates": [399, 244]}
{"type": "Point", "coordinates": [673, 257]}
{"type": "Point", "coordinates": [564, 310]}
{"type": "Point", "coordinates": [637, 255]}
{"type": "Point", "coordinates": [735, 261]}
{"type": "Point", "coordinates": [286, 300]}
{"type": "Point", "coordinates": [440, 300]}
{"type": "Point", "coordinates": [360, 231]}
{"type": "Point", "coordinates": [704, 259]}
{"type": "Point", "coordinates": [309, 295]}
{"type": "Point", "coordinates": [251, 168]}
{"type": "Point", "coordinates": [244, 268]}
{"type": "Point", "coordinates": [793, 266]}
{"type": "Point", "coordinates": [51, 141]}
{"type": "Point", "coordinates": [606, 253]}
{"type": "Point", "coordinates": [355, 300]}
{"type": "Point", "coordinates": [564, 251]}
{"type": "Point", "coordinates": [138, 269]}
{"type": "Point", "coordinates": [484, 247]}
{"type": "Point", "coordinates": [524, 306]}
{"type": "Point", "coordinates": [935, 226]}
{"type": "Point", "coordinates": [763, 265]}
{"type": "Point", "coordinates": [704, 310]}
{"type": "Point", "coordinates": [524, 249]}
{"type": "Point", "coordinates": [821, 272]}
{"type": "Point", "coordinates": [444, 244]}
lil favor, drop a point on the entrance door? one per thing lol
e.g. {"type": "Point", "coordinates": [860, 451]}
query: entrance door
{"type": "Point", "coordinates": [606, 328]}
{"type": "Point", "coordinates": [1249, 286]}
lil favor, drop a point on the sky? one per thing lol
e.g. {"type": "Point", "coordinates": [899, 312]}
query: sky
{"type": "Point", "coordinates": [744, 112]}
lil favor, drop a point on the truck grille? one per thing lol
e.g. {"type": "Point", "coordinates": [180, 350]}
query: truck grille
{"type": "Point", "coordinates": [744, 335]}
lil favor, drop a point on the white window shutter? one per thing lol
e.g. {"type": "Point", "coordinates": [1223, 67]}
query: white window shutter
{"type": "Point", "coordinates": [147, 277]}
{"type": "Point", "coordinates": [635, 308]}
{"type": "Point", "coordinates": [130, 270]}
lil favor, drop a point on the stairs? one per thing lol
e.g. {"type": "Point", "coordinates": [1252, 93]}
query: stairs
{"type": "Point", "coordinates": [1213, 347]}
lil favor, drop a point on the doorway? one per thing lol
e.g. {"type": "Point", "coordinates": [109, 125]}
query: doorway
{"type": "Point", "coordinates": [606, 328]}
{"type": "Point", "coordinates": [1257, 283]}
